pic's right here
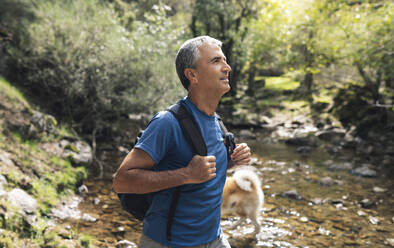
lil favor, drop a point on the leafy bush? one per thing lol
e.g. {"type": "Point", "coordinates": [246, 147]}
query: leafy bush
{"type": "Point", "coordinates": [90, 69]}
{"type": "Point", "coordinates": [367, 116]}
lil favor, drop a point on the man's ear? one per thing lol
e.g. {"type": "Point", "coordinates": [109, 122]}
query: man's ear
{"type": "Point", "coordinates": [191, 75]}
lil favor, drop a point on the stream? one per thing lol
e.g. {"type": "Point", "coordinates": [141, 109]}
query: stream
{"type": "Point", "coordinates": [309, 202]}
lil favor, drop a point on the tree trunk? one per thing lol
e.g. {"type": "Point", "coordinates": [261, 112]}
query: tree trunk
{"type": "Point", "coordinates": [371, 85]}
{"type": "Point", "coordinates": [307, 83]}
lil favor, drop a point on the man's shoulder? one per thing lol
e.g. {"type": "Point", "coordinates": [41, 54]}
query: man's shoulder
{"type": "Point", "coordinates": [163, 120]}
{"type": "Point", "coordinates": [164, 117]}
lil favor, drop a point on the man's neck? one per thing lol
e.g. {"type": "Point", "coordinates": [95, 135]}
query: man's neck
{"type": "Point", "coordinates": [204, 104]}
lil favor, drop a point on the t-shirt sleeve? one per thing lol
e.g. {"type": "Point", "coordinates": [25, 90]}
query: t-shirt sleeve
{"type": "Point", "coordinates": [158, 137]}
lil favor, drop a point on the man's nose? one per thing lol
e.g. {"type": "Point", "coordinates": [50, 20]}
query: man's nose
{"type": "Point", "coordinates": [226, 67]}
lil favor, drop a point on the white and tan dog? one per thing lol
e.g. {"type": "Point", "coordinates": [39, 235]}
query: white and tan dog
{"type": "Point", "coordinates": [243, 196]}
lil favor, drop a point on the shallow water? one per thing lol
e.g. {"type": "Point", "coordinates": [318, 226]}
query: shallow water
{"type": "Point", "coordinates": [326, 216]}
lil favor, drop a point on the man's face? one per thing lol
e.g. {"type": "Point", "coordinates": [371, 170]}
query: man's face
{"type": "Point", "coordinates": [212, 70]}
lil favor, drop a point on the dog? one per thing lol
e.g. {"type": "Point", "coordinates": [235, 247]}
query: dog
{"type": "Point", "coordinates": [243, 196]}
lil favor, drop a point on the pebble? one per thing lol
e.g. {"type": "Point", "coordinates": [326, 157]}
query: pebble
{"type": "Point", "coordinates": [361, 213]}
{"type": "Point", "coordinates": [323, 231]}
{"type": "Point", "coordinates": [88, 218]}
{"type": "Point", "coordinates": [373, 220]}
{"type": "Point", "coordinates": [3, 180]}
{"type": "Point", "coordinates": [304, 219]}
{"type": "Point", "coordinates": [125, 244]}
{"type": "Point", "coordinates": [119, 231]}
{"type": "Point", "coordinates": [317, 201]}
{"type": "Point", "coordinates": [340, 206]}
{"type": "Point", "coordinates": [367, 203]}
{"type": "Point", "coordinates": [304, 149]}
{"type": "Point", "coordinates": [83, 189]}
{"type": "Point", "coordinates": [326, 181]}
{"type": "Point", "coordinates": [378, 189]}
{"type": "Point", "coordinates": [293, 194]}
{"type": "Point", "coordinates": [341, 166]}
{"type": "Point", "coordinates": [255, 161]}
{"type": "Point", "coordinates": [364, 171]}
{"type": "Point", "coordinates": [96, 201]}
{"type": "Point", "coordinates": [390, 242]}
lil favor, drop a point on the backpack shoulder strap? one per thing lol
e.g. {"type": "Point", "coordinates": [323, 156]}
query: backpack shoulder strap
{"type": "Point", "coordinates": [221, 124]}
{"type": "Point", "coordinates": [193, 135]}
{"type": "Point", "coordinates": [190, 129]}
{"type": "Point", "coordinates": [229, 141]}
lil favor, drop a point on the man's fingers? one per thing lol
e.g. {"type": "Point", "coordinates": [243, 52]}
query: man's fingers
{"type": "Point", "coordinates": [210, 158]}
{"type": "Point", "coordinates": [241, 148]}
{"type": "Point", "coordinates": [242, 152]}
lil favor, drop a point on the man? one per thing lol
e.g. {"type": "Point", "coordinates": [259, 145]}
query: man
{"type": "Point", "coordinates": [203, 71]}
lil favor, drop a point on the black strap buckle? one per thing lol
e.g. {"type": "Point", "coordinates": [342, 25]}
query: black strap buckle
{"type": "Point", "coordinates": [230, 142]}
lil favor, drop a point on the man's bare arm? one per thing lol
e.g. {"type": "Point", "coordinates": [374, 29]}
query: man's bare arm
{"type": "Point", "coordinates": [134, 174]}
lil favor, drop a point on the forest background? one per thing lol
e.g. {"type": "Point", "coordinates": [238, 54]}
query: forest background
{"type": "Point", "coordinates": [97, 61]}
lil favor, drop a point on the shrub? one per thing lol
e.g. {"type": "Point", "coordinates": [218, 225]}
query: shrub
{"type": "Point", "coordinates": [90, 69]}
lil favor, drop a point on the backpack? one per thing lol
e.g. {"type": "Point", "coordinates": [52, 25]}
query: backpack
{"type": "Point", "coordinates": [138, 204]}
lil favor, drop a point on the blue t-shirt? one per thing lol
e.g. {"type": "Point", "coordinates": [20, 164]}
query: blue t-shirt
{"type": "Point", "coordinates": [197, 215]}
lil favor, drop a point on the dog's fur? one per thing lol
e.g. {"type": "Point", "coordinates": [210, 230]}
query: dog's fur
{"type": "Point", "coordinates": [243, 196]}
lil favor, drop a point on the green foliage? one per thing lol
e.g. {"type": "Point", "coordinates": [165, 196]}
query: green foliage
{"type": "Point", "coordinates": [368, 34]}
{"type": "Point", "coordinates": [290, 35]}
{"type": "Point", "coordinates": [86, 241]}
{"type": "Point", "coordinates": [54, 184]}
{"type": "Point", "coordinates": [67, 178]}
{"type": "Point", "coordinates": [12, 93]}
{"type": "Point", "coordinates": [13, 30]}
{"type": "Point", "coordinates": [62, 181]}
{"type": "Point", "coordinates": [280, 83]}
{"type": "Point", "coordinates": [9, 239]}
{"type": "Point", "coordinates": [90, 69]}
{"type": "Point", "coordinates": [10, 219]}
{"type": "Point", "coordinates": [268, 41]}
{"type": "Point", "coordinates": [13, 177]}
{"type": "Point", "coordinates": [227, 21]}
{"type": "Point", "coordinates": [15, 231]}
{"type": "Point", "coordinates": [45, 194]}
{"type": "Point", "coordinates": [64, 131]}
{"type": "Point", "coordinates": [366, 117]}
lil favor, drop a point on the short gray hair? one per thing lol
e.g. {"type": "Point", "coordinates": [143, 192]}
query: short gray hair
{"type": "Point", "coordinates": [187, 56]}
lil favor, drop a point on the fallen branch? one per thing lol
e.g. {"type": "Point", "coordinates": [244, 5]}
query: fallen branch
{"type": "Point", "coordinates": [377, 104]}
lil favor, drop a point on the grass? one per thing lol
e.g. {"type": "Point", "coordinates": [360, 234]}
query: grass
{"type": "Point", "coordinates": [295, 104]}
{"type": "Point", "coordinates": [86, 240]}
{"type": "Point", "coordinates": [12, 93]}
{"type": "Point", "coordinates": [280, 83]}
{"type": "Point", "coordinates": [324, 96]}
{"type": "Point", "coordinates": [45, 194]}
{"type": "Point", "coordinates": [41, 174]}
{"type": "Point", "coordinates": [269, 102]}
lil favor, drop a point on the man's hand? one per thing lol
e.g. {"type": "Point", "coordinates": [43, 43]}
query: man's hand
{"type": "Point", "coordinates": [241, 154]}
{"type": "Point", "coordinates": [201, 169]}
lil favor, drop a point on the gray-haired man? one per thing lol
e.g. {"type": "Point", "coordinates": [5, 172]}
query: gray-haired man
{"type": "Point", "coordinates": [204, 72]}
